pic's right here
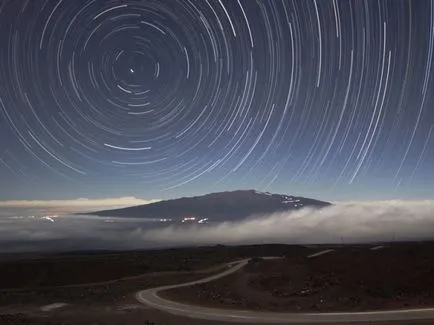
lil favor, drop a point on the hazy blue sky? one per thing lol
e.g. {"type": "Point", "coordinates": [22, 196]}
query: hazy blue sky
{"type": "Point", "coordinates": [158, 99]}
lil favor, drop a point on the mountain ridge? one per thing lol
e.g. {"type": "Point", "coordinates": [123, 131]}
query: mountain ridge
{"type": "Point", "coordinates": [220, 206]}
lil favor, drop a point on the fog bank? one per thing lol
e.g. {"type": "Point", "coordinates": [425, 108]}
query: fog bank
{"type": "Point", "coordinates": [342, 223]}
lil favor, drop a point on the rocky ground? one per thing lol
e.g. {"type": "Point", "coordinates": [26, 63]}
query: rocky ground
{"type": "Point", "coordinates": [345, 279]}
{"type": "Point", "coordinates": [391, 277]}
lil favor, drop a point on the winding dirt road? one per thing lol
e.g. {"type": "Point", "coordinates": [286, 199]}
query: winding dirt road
{"type": "Point", "coordinates": [150, 297]}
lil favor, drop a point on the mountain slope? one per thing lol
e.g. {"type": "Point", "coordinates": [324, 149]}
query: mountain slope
{"type": "Point", "coordinates": [233, 205]}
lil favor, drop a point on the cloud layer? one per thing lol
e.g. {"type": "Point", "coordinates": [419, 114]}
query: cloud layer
{"type": "Point", "coordinates": [71, 206]}
{"type": "Point", "coordinates": [347, 223]}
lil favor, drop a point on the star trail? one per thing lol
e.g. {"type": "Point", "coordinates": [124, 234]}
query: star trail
{"type": "Point", "coordinates": [330, 98]}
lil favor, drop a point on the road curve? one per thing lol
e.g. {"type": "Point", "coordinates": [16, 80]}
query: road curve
{"type": "Point", "coordinates": [150, 297]}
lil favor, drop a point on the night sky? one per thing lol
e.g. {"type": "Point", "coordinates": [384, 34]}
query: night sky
{"type": "Point", "coordinates": [163, 98]}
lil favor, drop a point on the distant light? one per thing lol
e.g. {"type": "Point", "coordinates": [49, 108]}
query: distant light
{"type": "Point", "coordinates": [186, 219]}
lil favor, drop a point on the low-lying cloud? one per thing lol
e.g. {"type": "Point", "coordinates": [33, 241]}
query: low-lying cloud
{"type": "Point", "coordinates": [71, 206]}
{"type": "Point", "coordinates": [341, 223]}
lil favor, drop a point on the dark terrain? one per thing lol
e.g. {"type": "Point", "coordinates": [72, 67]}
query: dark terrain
{"type": "Point", "coordinates": [222, 206]}
{"type": "Point", "coordinates": [81, 267]}
{"type": "Point", "coordinates": [99, 287]}
{"type": "Point", "coordinates": [347, 279]}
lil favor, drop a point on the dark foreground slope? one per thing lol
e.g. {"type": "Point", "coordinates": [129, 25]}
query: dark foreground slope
{"type": "Point", "coordinates": [349, 278]}
{"type": "Point", "coordinates": [217, 206]}
{"type": "Point", "coordinates": [401, 277]}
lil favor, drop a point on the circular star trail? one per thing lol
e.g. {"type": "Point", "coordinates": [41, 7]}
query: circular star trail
{"type": "Point", "coordinates": [170, 94]}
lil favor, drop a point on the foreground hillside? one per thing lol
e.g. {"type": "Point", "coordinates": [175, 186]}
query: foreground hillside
{"type": "Point", "coordinates": [100, 287]}
{"type": "Point", "coordinates": [349, 278]}
{"type": "Point", "coordinates": [216, 206]}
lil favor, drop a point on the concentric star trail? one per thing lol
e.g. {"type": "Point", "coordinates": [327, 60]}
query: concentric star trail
{"type": "Point", "coordinates": [183, 96]}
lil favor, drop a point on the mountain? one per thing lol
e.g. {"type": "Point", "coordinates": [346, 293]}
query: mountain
{"type": "Point", "coordinates": [221, 206]}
